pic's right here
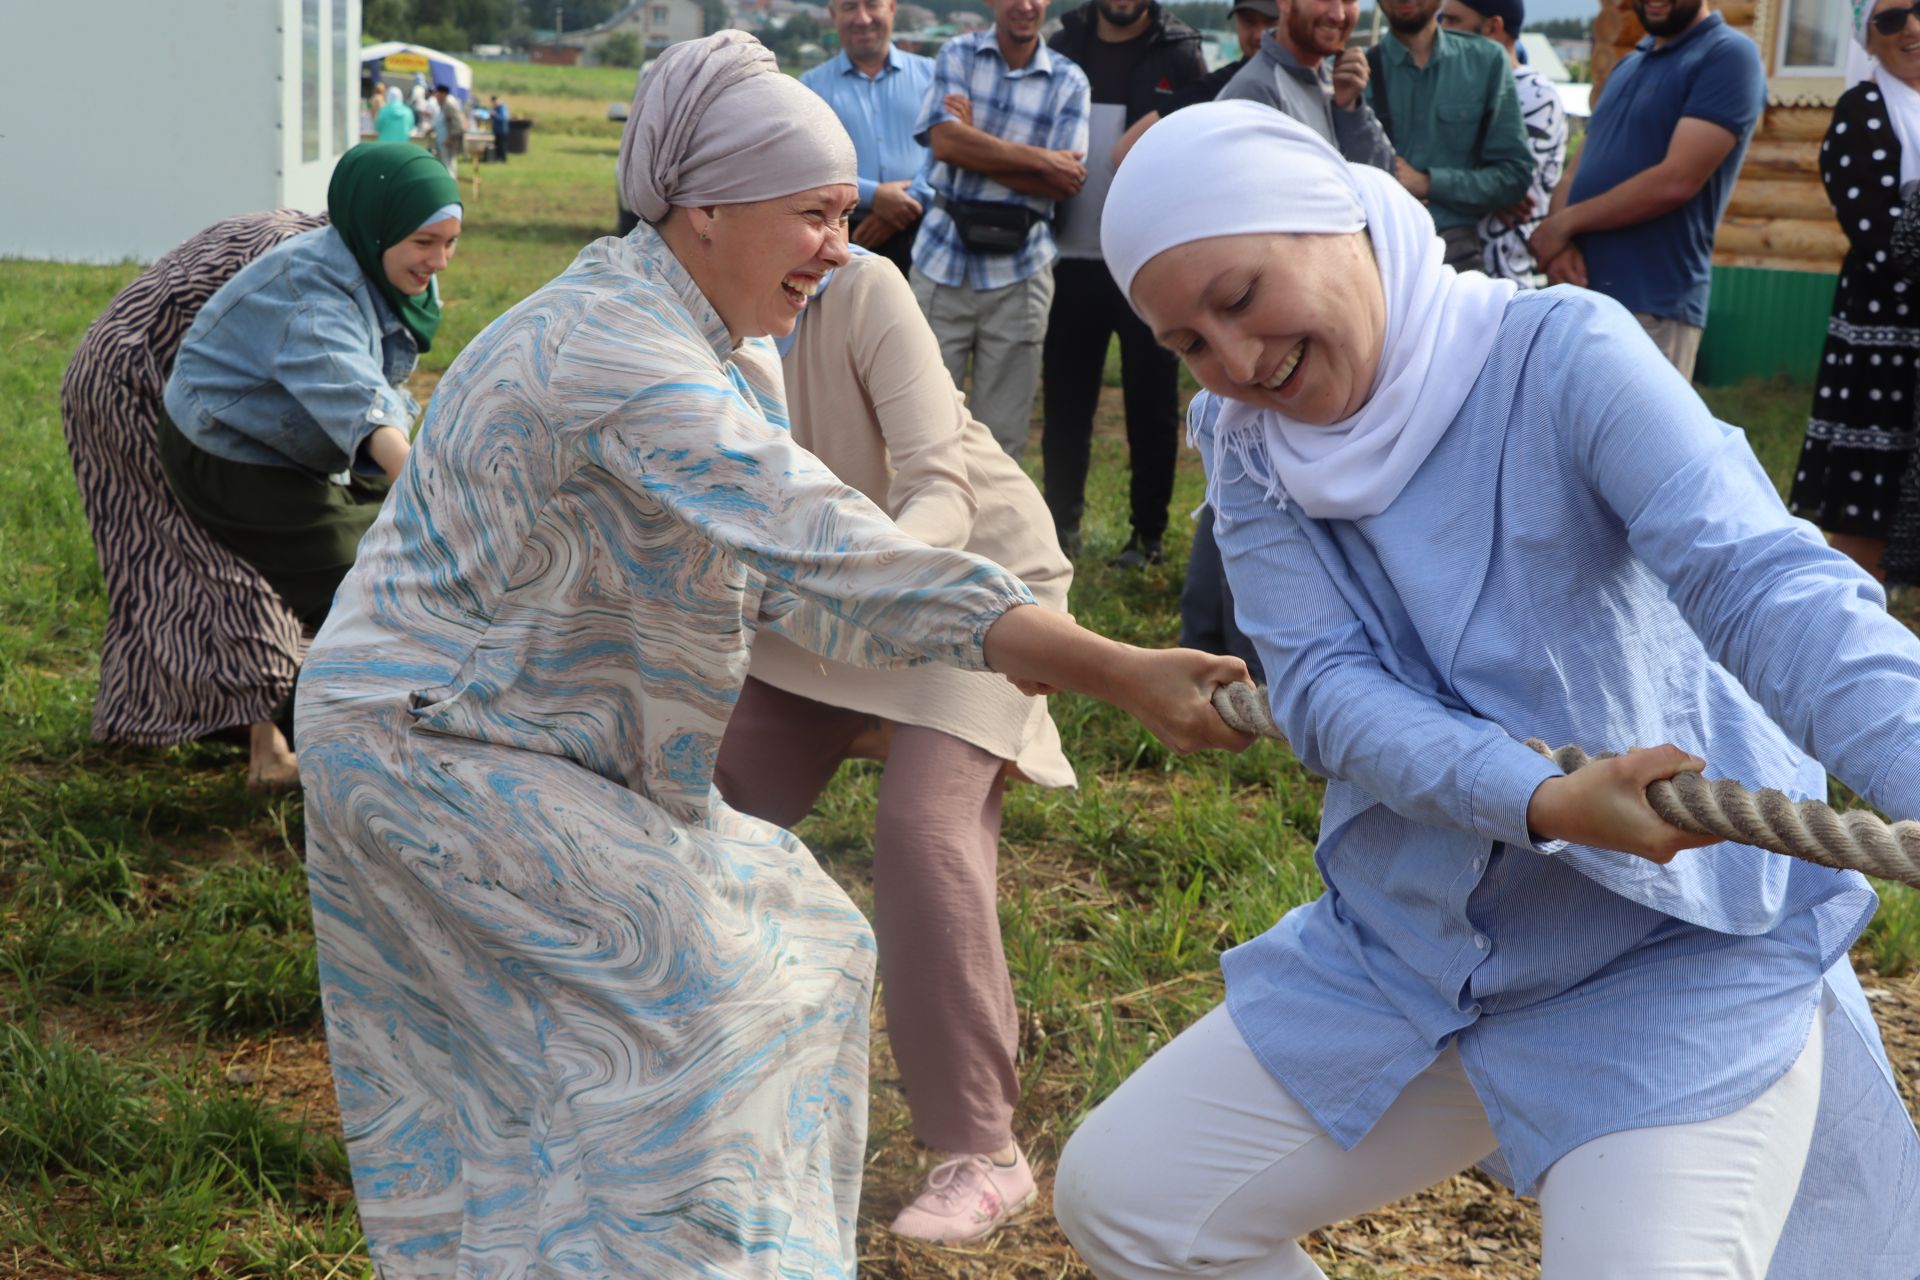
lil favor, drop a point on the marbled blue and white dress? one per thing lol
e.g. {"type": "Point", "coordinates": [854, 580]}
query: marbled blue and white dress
{"type": "Point", "coordinates": [585, 1019]}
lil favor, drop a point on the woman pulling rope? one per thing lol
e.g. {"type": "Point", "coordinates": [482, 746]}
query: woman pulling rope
{"type": "Point", "coordinates": [1453, 517]}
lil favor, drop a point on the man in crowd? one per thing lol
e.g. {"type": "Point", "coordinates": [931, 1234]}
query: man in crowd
{"type": "Point", "coordinates": [502, 123]}
{"type": "Point", "coordinates": [876, 90]}
{"type": "Point", "coordinates": [1448, 104]}
{"type": "Point", "coordinates": [1305, 70]}
{"type": "Point", "coordinates": [1135, 54]}
{"type": "Point", "coordinates": [1503, 235]}
{"type": "Point", "coordinates": [1007, 122]}
{"type": "Point", "coordinates": [449, 128]}
{"type": "Point", "coordinates": [1251, 20]}
{"type": "Point", "coordinates": [1635, 213]}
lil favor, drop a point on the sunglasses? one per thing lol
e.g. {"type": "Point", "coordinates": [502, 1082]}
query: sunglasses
{"type": "Point", "coordinates": [1891, 22]}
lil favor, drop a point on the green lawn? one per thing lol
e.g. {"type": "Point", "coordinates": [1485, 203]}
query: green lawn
{"type": "Point", "coordinates": [164, 1107]}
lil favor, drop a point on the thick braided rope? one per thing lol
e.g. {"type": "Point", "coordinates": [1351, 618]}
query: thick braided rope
{"type": "Point", "coordinates": [1766, 819]}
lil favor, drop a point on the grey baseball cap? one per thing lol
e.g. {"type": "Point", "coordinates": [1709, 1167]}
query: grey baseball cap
{"type": "Point", "coordinates": [1265, 8]}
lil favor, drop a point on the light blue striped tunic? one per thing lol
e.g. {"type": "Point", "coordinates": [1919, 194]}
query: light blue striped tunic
{"type": "Point", "coordinates": [585, 1019]}
{"type": "Point", "coordinates": [1589, 557]}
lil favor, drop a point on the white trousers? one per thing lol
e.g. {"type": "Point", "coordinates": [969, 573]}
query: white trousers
{"type": "Point", "coordinates": [1202, 1165]}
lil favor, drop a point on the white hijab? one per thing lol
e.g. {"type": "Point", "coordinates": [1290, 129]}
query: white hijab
{"type": "Point", "coordinates": [1241, 168]}
{"type": "Point", "coordinates": [1903, 103]}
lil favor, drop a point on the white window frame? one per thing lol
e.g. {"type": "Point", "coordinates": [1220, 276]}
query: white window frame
{"type": "Point", "coordinates": [1828, 71]}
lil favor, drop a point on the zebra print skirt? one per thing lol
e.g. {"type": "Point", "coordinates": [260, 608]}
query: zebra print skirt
{"type": "Point", "coordinates": [196, 641]}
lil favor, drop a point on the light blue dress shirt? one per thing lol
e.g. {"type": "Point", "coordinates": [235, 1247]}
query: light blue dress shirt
{"type": "Point", "coordinates": [1587, 556]}
{"type": "Point", "coordinates": [879, 113]}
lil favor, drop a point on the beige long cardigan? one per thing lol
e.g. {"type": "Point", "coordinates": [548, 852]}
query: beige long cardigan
{"type": "Point", "coordinates": [868, 395]}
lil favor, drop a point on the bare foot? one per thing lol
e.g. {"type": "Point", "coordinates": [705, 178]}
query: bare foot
{"type": "Point", "coordinates": [271, 765]}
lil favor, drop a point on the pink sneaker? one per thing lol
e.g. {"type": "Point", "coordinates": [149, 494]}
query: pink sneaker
{"type": "Point", "coordinates": [966, 1198]}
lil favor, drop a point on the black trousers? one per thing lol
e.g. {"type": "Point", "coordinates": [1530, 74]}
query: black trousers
{"type": "Point", "coordinates": [1088, 309]}
{"type": "Point", "coordinates": [898, 248]}
{"type": "Point", "coordinates": [1207, 620]}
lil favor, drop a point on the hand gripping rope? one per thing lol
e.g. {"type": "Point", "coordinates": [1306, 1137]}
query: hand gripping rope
{"type": "Point", "coordinates": [1852, 841]}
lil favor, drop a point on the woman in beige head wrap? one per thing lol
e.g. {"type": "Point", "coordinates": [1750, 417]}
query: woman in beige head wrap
{"type": "Point", "coordinates": [585, 1018]}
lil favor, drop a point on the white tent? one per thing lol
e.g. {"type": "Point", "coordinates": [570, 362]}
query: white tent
{"type": "Point", "coordinates": [1576, 99]}
{"type": "Point", "coordinates": [401, 62]}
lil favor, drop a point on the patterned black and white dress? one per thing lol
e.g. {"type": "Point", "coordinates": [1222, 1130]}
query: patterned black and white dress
{"type": "Point", "coordinates": [1861, 429]}
{"type": "Point", "coordinates": [196, 641]}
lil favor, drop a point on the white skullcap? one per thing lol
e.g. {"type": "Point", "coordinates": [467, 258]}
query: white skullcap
{"type": "Point", "coordinates": [1223, 169]}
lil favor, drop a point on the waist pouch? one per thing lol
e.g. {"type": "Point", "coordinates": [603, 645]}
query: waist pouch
{"type": "Point", "coordinates": [989, 226]}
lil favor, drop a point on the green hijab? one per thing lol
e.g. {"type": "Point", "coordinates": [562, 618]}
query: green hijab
{"type": "Point", "coordinates": [381, 193]}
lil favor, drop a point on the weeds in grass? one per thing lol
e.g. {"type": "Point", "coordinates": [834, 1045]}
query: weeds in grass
{"type": "Point", "coordinates": [1892, 941]}
{"type": "Point", "coordinates": [228, 947]}
{"type": "Point", "coordinates": [131, 1168]}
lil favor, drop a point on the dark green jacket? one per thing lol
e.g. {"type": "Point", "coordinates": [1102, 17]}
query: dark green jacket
{"type": "Point", "coordinates": [1457, 120]}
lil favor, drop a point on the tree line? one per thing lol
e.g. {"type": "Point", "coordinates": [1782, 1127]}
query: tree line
{"type": "Point", "coordinates": [455, 25]}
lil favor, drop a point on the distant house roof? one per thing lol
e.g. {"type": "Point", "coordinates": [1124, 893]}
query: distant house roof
{"type": "Point", "coordinates": [586, 35]}
{"type": "Point", "coordinates": [614, 21]}
{"type": "Point", "coordinates": [1542, 58]}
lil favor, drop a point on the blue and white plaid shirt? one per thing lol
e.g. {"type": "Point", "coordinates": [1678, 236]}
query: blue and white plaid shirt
{"type": "Point", "coordinates": [1043, 104]}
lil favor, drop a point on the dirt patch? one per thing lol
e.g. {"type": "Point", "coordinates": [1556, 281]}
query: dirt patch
{"type": "Point", "coordinates": [421, 384]}
{"type": "Point", "coordinates": [20, 1262]}
{"type": "Point", "coordinates": [289, 1071]}
{"type": "Point", "coordinates": [1896, 1007]}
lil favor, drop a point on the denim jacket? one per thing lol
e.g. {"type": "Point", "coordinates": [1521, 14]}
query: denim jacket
{"type": "Point", "coordinates": [294, 362]}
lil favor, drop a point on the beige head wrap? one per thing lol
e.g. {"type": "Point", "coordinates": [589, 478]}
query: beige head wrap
{"type": "Point", "coordinates": [715, 122]}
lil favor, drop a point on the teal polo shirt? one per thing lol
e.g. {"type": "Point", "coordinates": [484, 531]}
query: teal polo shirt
{"type": "Point", "coordinates": [1457, 120]}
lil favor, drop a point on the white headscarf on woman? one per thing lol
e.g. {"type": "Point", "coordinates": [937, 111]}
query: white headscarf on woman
{"type": "Point", "coordinates": [715, 122]}
{"type": "Point", "coordinates": [1240, 168]}
{"type": "Point", "coordinates": [1903, 102]}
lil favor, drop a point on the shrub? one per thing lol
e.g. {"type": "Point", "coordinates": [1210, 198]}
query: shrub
{"type": "Point", "coordinates": [621, 49]}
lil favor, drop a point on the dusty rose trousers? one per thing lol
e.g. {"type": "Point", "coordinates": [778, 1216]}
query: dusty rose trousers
{"type": "Point", "coordinates": [936, 843]}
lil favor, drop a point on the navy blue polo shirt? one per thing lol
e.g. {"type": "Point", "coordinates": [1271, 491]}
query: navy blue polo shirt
{"type": "Point", "coordinates": [1709, 72]}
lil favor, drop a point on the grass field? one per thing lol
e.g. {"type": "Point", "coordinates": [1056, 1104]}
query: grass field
{"type": "Point", "coordinates": [165, 1109]}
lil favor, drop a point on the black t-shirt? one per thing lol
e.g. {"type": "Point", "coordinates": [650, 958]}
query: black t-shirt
{"type": "Point", "coordinates": [1109, 65]}
{"type": "Point", "coordinates": [1203, 90]}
